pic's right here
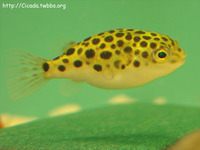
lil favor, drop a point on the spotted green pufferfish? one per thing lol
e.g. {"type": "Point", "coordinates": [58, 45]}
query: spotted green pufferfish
{"type": "Point", "coordinates": [115, 59]}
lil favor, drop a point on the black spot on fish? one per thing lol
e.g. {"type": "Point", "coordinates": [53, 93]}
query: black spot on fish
{"type": "Point", "coordinates": [134, 45]}
{"type": "Point", "coordinates": [79, 51]}
{"type": "Point", "coordinates": [105, 55]}
{"type": "Point", "coordinates": [56, 58]}
{"type": "Point", "coordinates": [137, 52]}
{"type": "Point", "coordinates": [101, 33]}
{"type": "Point", "coordinates": [140, 32]}
{"type": "Point", "coordinates": [97, 67]}
{"type": "Point", "coordinates": [65, 60]}
{"type": "Point", "coordinates": [128, 37]}
{"type": "Point", "coordinates": [109, 39]}
{"type": "Point", "coordinates": [153, 45]}
{"type": "Point", "coordinates": [119, 34]}
{"type": "Point", "coordinates": [87, 38]}
{"type": "Point", "coordinates": [120, 43]}
{"type": "Point", "coordinates": [143, 44]}
{"type": "Point", "coordinates": [78, 63]}
{"type": "Point", "coordinates": [156, 39]}
{"type": "Point", "coordinates": [172, 42]}
{"type": "Point", "coordinates": [163, 43]}
{"type": "Point", "coordinates": [90, 53]}
{"type": "Point", "coordinates": [136, 38]}
{"type": "Point", "coordinates": [103, 45]}
{"type": "Point", "coordinates": [117, 52]}
{"type": "Point", "coordinates": [45, 67]}
{"type": "Point", "coordinates": [117, 63]}
{"type": "Point", "coordinates": [153, 34]}
{"type": "Point", "coordinates": [70, 51]}
{"type": "Point", "coordinates": [147, 37]}
{"type": "Point", "coordinates": [113, 46]}
{"type": "Point", "coordinates": [145, 54]}
{"type": "Point", "coordinates": [136, 63]}
{"type": "Point", "coordinates": [95, 41]}
{"type": "Point", "coordinates": [61, 68]}
{"type": "Point", "coordinates": [164, 38]}
{"type": "Point", "coordinates": [127, 49]}
{"type": "Point", "coordinates": [86, 44]}
{"type": "Point", "coordinates": [130, 29]}
{"type": "Point", "coordinates": [111, 31]}
{"type": "Point", "coordinates": [122, 66]}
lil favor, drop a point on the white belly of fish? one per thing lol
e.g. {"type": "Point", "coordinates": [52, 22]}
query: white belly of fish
{"type": "Point", "coordinates": [108, 79]}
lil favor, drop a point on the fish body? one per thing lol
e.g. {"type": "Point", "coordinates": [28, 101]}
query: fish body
{"type": "Point", "coordinates": [118, 59]}
{"type": "Point", "coordinates": [115, 59]}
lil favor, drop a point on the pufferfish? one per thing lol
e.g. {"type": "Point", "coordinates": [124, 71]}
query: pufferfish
{"type": "Point", "coordinates": [115, 59]}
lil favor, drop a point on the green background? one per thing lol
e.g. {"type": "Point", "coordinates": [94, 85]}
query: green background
{"type": "Point", "coordinates": [142, 125]}
{"type": "Point", "coordinates": [43, 32]}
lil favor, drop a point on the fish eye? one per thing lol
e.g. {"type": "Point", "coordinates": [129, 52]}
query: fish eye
{"type": "Point", "coordinates": [161, 55]}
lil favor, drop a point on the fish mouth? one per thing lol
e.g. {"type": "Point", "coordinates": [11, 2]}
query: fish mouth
{"type": "Point", "coordinates": [183, 60]}
{"type": "Point", "coordinates": [178, 57]}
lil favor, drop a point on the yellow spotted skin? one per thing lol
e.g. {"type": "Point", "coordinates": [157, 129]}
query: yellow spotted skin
{"type": "Point", "coordinates": [116, 59]}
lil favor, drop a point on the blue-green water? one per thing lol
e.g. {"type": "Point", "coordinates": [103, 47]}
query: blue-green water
{"type": "Point", "coordinates": [43, 31]}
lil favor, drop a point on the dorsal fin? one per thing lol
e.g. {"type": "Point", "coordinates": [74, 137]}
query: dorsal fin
{"type": "Point", "coordinates": [58, 46]}
{"type": "Point", "coordinates": [64, 49]}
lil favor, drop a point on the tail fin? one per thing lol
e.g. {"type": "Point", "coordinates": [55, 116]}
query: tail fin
{"type": "Point", "coordinates": [26, 74]}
